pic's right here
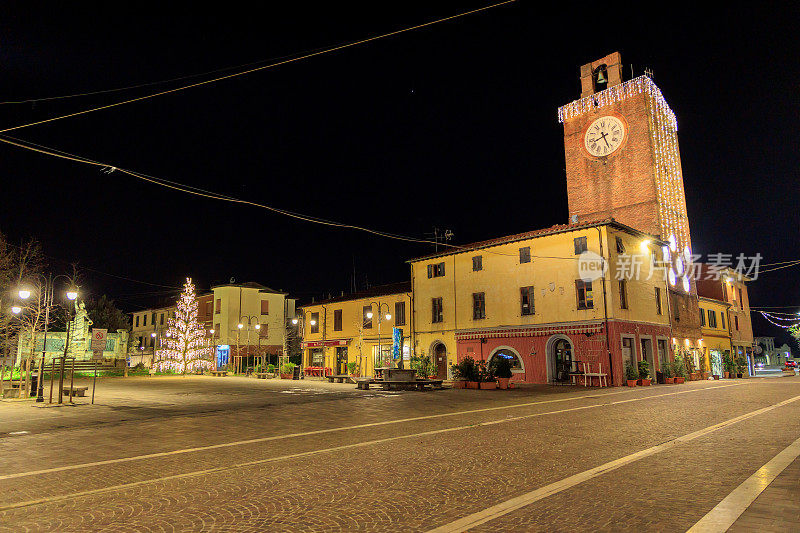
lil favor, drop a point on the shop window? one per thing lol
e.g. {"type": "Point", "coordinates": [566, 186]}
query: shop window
{"type": "Point", "coordinates": [580, 245]}
{"type": "Point", "coordinates": [400, 314]}
{"type": "Point", "coordinates": [516, 363]}
{"type": "Point", "coordinates": [527, 306]}
{"type": "Point", "coordinates": [623, 294]}
{"type": "Point", "coordinates": [478, 305]}
{"type": "Point", "coordinates": [583, 291]}
{"type": "Point", "coordinates": [437, 313]}
{"type": "Point", "coordinates": [628, 353]}
{"type": "Point", "coordinates": [436, 270]}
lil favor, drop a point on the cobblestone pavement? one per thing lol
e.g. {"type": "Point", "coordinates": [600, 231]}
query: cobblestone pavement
{"type": "Point", "coordinates": [238, 454]}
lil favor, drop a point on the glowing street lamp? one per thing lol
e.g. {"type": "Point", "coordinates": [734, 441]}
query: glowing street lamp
{"type": "Point", "coordinates": [72, 294]}
{"type": "Point", "coordinates": [16, 309]}
{"type": "Point", "coordinates": [24, 294]}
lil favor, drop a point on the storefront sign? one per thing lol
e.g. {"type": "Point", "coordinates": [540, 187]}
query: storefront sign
{"type": "Point", "coordinates": [320, 344]}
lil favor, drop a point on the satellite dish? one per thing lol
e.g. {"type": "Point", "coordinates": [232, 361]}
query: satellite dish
{"type": "Point", "coordinates": [233, 280]}
{"type": "Point", "coordinates": [574, 219]}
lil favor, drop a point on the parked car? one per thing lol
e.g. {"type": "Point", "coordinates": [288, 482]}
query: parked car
{"type": "Point", "coordinates": [759, 365]}
{"type": "Point", "coordinates": [791, 364]}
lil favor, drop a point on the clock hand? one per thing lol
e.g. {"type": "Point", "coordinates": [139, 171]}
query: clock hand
{"type": "Point", "coordinates": [603, 134]}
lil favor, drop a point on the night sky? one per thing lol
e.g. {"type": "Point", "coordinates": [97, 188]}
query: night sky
{"type": "Point", "coordinates": [451, 126]}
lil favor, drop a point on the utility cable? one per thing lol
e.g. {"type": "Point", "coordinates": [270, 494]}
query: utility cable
{"type": "Point", "coordinates": [256, 69]}
{"type": "Point", "coordinates": [108, 168]}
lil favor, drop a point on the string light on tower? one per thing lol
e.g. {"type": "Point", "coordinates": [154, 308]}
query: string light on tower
{"type": "Point", "coordinates": [185, 348]}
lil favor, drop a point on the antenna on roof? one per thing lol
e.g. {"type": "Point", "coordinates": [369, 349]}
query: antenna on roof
{"type": "Point", "coordinates": [440, 236]}
{"type": "Point", "coordinates": [648, 72]}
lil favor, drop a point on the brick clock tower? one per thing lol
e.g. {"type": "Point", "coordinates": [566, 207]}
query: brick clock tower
{"type": "Point", "coordinates": [623, 162]}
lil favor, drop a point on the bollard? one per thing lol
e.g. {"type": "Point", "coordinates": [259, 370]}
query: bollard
{"type": "Point", "coordinates": [52, 377]}
{"type": "Point", "coordinates": [71, 379]}
{"type": "Point", "coordinates": [61, 380]}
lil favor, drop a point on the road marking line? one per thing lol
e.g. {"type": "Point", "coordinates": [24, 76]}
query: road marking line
{"type": "Point", "coordinates": [332, 449]}
{"type": "Point", "coordinates": [726, 512]}
{"type": "Point", "coordinates": [503, 508]}
{"type": "Point", "coordinates": [320, 432]}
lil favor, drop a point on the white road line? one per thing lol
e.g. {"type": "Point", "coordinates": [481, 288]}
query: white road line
{"type": "Point", "coordinates": [722, 517]}
{"type": "Point", "coordinates": [316, 432]}
{"type": "Point", "coordinates": [335, 449]}
{"type": "Point", "coordinates": [508, 506]}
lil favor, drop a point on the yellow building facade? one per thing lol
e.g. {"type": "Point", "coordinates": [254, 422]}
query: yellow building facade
{"type": "Point", "coordinates": [526, 296]}
{"type": "Point", "coordinates": [356, 328]}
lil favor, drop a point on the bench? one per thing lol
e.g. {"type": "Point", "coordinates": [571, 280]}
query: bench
{"type": "Point", "coordinates": [338, 378]}
{"type": "Point", "coordinates": [219, 373]}
{"type": "Point", "coordinates": [76, 391]}
{"type": "Point", "coordinates": [265, 375]}
{"type": "Point", "coordinates": [602, 378]}
{"type": "Point", "coordinates": [420, 384]}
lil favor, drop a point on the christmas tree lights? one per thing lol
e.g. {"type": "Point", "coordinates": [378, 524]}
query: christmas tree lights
{"type": "Point", "coordinates": [185, 348]}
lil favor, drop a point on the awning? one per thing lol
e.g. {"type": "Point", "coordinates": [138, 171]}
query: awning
{"type": "Point", "coordinates": [320, 344]}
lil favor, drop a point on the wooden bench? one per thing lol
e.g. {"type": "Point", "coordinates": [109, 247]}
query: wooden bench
{"type": "Point", "coordinates": [420, 384]}
{"type": "Point", "coordinates": [338, 378]}
{"type": "Point", "coordinates": [219, 373]}
{"type": "Point", "coordinates": [76, 391]}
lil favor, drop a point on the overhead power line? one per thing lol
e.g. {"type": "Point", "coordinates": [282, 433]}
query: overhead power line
{"type": "Point", "coordinates": [109, 168]}
{"type": "Point", "coordinates": [250, 71]}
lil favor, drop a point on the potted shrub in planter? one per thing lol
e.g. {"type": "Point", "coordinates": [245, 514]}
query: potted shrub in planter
{"type": "Point", "coordinates": [631, 374]}
{"type": "Point", "coordinates": [703, 367]}
{"type": "Point", "coordinates": [678, 371]}
{"type": "Point", "coordinates": [501, 368]}
{"type": "Point", "coordinates": [352, 369]}
{"type": "Point", "coordinates": [485, 377]}
{"type": "Point", "coordinates": [458, 380]}
{"type": "Point", "coordinates": [667, 371]}
{"type": "Point", "coordinates": [469, 372]}
{"type": "Point", "coordinates": [741, 366]}
{"type": "Point", "coordinates": [287, 370]}
{"type": "Point", "coordinates": [727, 364]}
{"type": "Point", "coordinates": [644, 374]}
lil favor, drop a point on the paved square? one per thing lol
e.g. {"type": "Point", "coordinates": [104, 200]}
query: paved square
{"type": "Point", "coordinates": [239, 454]}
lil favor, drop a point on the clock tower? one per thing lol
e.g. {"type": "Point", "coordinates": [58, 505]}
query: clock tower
{"type": "Point", "coordinates": [623, 162]}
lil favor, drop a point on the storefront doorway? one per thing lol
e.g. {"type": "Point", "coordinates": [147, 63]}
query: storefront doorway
{"type": "Point", "coordinates": [647, 355]}
{"type": "Point", "coordinates": [561, 356]}
{"type": "Point", "coordinates": [440, 357]}
{"type": "Point", "coordinates": [341, 360]}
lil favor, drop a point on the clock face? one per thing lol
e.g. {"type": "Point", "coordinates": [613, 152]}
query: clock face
{"type": "Point", "coordinates": [604, 136]}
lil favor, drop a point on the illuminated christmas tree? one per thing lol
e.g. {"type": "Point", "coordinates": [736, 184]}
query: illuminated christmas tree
{"type": "Point", "coordinates": [184, 348]}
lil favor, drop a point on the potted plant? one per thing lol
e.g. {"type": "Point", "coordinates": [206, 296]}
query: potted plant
{"type": "Point", "coordinates": [352, 368]}
{"type": "Point", "coordinates": [501, 368]}
{"type": "Point", "coordinates": [741, 366]}
{"type": "Point", "coordinates": [287, 370]}
{"type": "Point", "coordinates": [678, 371]}
{"type": "Point", "coordinates": [469, 372]}
{"type": "Point", "coordinates": [644, 374]}
{"type": "Point", "coordinates": [703, 367]}
{"type": "Point", "coordinates": [727, 365]}
{"type": "Point", "coordinates": [459, 382]}
{"type": "Point", "coordinates": [485, 377]}
{"type": "Point", "coordinates": [667, 371]}
{"type": "Point", "coordinates": [631, 374]}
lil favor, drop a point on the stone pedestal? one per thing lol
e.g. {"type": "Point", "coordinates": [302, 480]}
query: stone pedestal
{"type": "Point", "coordinates": [399, 374]}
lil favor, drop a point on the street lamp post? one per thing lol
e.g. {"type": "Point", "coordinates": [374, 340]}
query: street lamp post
{"type": "Point", "coordinates": [301, 323]}
{"type": "Point", "coordinates": [250, 326]}
{"type": "Point", "coordinates": [46, 295]}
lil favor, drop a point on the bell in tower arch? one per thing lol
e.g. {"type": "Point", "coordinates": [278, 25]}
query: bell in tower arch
{"type": "Point", "coordinates": [600, 76]}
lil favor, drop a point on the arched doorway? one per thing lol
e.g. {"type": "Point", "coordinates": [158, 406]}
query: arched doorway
{"type": "Point", "coordinates": [559, 358]}
{"type": "Point", "coordinates": [439, 352]}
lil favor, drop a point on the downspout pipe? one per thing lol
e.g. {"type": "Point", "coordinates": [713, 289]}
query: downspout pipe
{"type": "Point", "coordinates": [605, 307]}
